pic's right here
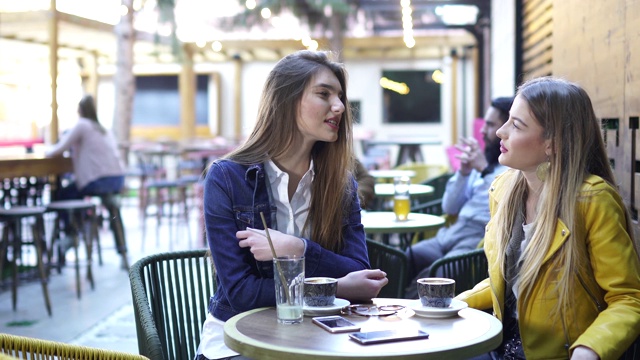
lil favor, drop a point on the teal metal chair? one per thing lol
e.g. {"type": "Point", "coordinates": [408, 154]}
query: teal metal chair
{"type": "Point", "coordinates": [171, 294]}
{"type": "Point", "coordinates": [392, 261]}
{"type": "Point", "coordinates": [466, 269]}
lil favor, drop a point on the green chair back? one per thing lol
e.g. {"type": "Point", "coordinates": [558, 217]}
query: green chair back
{"type": "Point", "coordinates": [171, 294]}
{"type": "Point", "coordinates": [392, 261]}
{"type": "Point", "coordinates": [22, 347]}
{"type": "Point", "coordinates": [467, 269]}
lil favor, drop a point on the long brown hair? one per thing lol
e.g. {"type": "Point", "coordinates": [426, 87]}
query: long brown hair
{"type": "Point", "coordinates": [87, 110]}
{"type": "Point", "coordinates": [566, 114]}
{"type": "Point", "coordinates": [333, 161]}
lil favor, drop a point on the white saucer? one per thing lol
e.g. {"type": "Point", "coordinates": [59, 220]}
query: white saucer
{"type": "Point", "coordinates": [325, 310]}
{"type": "Point", "coordinates": [433, 312]}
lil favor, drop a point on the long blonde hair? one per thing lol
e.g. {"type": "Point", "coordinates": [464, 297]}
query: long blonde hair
{"type": "Point", "coordinates": [566, 114]}
{"type": "Point", "coordinates": [275, 131]}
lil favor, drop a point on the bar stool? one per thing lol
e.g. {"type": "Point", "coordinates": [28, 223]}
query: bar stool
{"type": "Point", "coordinates": [111, 202]}
{"type": "Point", "coordinates": [77, 211]}
{"type": "Point", "coordinates": [14, 237]}
{"type": "Point", "coordinates": [162, 192]}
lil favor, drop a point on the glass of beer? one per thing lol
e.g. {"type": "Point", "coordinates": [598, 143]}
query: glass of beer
{"type": "Point", "coordinates": [401, 198]}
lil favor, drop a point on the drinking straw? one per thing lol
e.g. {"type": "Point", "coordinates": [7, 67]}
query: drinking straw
{"type": "Point", "coordinates": [283, 280]}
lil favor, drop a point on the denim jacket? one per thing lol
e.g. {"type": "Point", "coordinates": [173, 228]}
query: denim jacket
{"type": "Point", "coordinates": [234, 196]}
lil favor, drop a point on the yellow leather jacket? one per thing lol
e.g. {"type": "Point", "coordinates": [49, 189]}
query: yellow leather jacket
{"type": "Point", "coordinates": [606, 312]}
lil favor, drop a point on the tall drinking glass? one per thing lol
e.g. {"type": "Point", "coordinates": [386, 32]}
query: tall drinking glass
{"type": "Point", "coordinates": [289, 279]}
{"type": "Point", "coordinates": [401, 199]}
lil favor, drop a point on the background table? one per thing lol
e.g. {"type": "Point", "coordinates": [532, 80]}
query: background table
{"type": "Point", "coordinates": [414, 189]}
{"type": "Point", "coordinates": [385, 223]}
{"type": "Point", "coordinates": [409, 147]}
{"type": "Point", "coordinates": [384, 195]}
{"type": "Point", "coordinates": [390, 174]}
{"type": "Point", "coordinates": [256, 334]}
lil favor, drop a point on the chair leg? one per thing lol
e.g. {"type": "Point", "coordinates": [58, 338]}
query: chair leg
{"type": "Point", "coordinates": [76, 245]}
{"type": "Point", "coordinates": [38, 239]}
{"type": "Point", "coordinates": [144, 203]}
{"type": "Point", "coordinates": [15, 254]}
{"type": "Point", "coordinates": [117, 227]}
{"type": "Point", "coordinates": [159, 213]}
{"type": "Point", "coordinates": [96, 234]}
{"type": "Point", "coordinates": [185, 209]}
{"type": "Point", "coordinates": [88, 236]}
{"type": "Point", "coordinates": [4, 249]}
{"type": "Point", "coordinates": [54, 245]}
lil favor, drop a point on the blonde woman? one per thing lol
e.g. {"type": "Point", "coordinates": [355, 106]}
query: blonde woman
{"type": "Point", "coordinates": [564, 271]}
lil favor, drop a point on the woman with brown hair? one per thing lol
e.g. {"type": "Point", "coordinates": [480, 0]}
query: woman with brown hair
{"type": "Point", "coordinates": [296, 169]}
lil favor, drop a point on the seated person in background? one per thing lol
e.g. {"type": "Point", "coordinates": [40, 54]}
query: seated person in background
{"type": "Point", "coordinates": [97, 166]}
{"type": "Point", "coordinates": [366, 185]}
{"type": "Point", "coordinates": [466, 196]}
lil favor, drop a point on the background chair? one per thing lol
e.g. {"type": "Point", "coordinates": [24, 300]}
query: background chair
{"type": "Point", "coordinates": [466, 269]}
{"type": "Point", "coordinates": [432, 204]}
{"type": "Point", "coordinates": [17, 221]}
{"type": "Point", "coordinates": [82, 224]}
{"type": "Point", "coordinates": [424, 171]}
{"type": "Point", "coordinates": [22, 347]}
{"type": "Point", "coordinates": [392, 261]}
{"type": "Point", "coordinates": [171, 294]}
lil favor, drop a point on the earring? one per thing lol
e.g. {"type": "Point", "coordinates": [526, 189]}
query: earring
{"type": "Point", "coordinates": [543, 170]}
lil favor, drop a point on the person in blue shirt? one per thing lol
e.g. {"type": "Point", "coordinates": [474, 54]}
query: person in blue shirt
{"type": "Point", "coordinates": [466, 196]}
{"type": "Point", "coordinates": [295, 168]}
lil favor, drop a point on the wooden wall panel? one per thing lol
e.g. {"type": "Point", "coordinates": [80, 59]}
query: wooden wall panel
{"type": "Point", "coordinates": [632, 102]}
{"type": "Point", "coordinates": [537, 24]}
{"type": "Point", "coordinates": [596, 43]}
{"type": "Point", "coordinates": [589, 48]}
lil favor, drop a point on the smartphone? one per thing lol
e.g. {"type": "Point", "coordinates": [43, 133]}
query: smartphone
{"type": "Point", "coordinates": [335, 324]}
{"type": "Point", "coordinates": [376, 337]}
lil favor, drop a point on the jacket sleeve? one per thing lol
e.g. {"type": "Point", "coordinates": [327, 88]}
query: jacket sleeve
{"type": "Point", "coordinates": [457, 192]}
{"type": "Point", "coordinates": [236, 269]}
{"type": "Point", "coordinates": [616, 269]}
{"type": "Point", "coordinates": [479, 297]}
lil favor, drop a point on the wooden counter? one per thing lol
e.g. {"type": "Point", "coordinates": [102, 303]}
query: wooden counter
{"type": "Point", "coordinates": [12, 166]}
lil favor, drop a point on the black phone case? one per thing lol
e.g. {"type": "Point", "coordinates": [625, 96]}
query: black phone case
{"type": "Point", "coordinates": [384, 336]}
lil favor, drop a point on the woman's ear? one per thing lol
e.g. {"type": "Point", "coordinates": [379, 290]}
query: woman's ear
{"type": "Point", "coordinates": [548, 149]}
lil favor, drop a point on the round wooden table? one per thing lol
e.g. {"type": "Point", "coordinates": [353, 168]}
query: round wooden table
{"type": "Point", "coordinates": [256, 334]}
{"type": "Point", "coordinates": [385, 223]}
{"type": "Point", "coordinates": [384, 195]}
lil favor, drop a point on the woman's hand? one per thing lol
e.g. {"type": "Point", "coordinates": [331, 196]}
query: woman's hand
{"type": "Point", "coordinates": [584, 353]}
{"type": "Point", "coordinates": [361, 285]}
{"type": "Point", "coordinates": [283, 244]}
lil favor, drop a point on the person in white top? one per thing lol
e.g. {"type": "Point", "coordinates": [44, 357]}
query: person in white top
{"type": "Point", "coordinates": [97, 166]}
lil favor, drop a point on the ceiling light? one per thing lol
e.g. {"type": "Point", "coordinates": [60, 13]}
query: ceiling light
{"type": "Point", "coordinates": [458, 14]}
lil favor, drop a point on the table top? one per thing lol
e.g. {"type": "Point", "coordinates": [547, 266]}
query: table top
{"type": "Point", "coordinates": [391, 174]}
{"type": "Point", "coordinates": [406, 140]}
{"type": "Point", "coordinates": [384, 222]}
{"type": "Point", "coordinates": [414, 189]}
{"type": "Point", "coordinates": [256, 334]}
{"type": "Point", "coordinates": [33, 165]}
